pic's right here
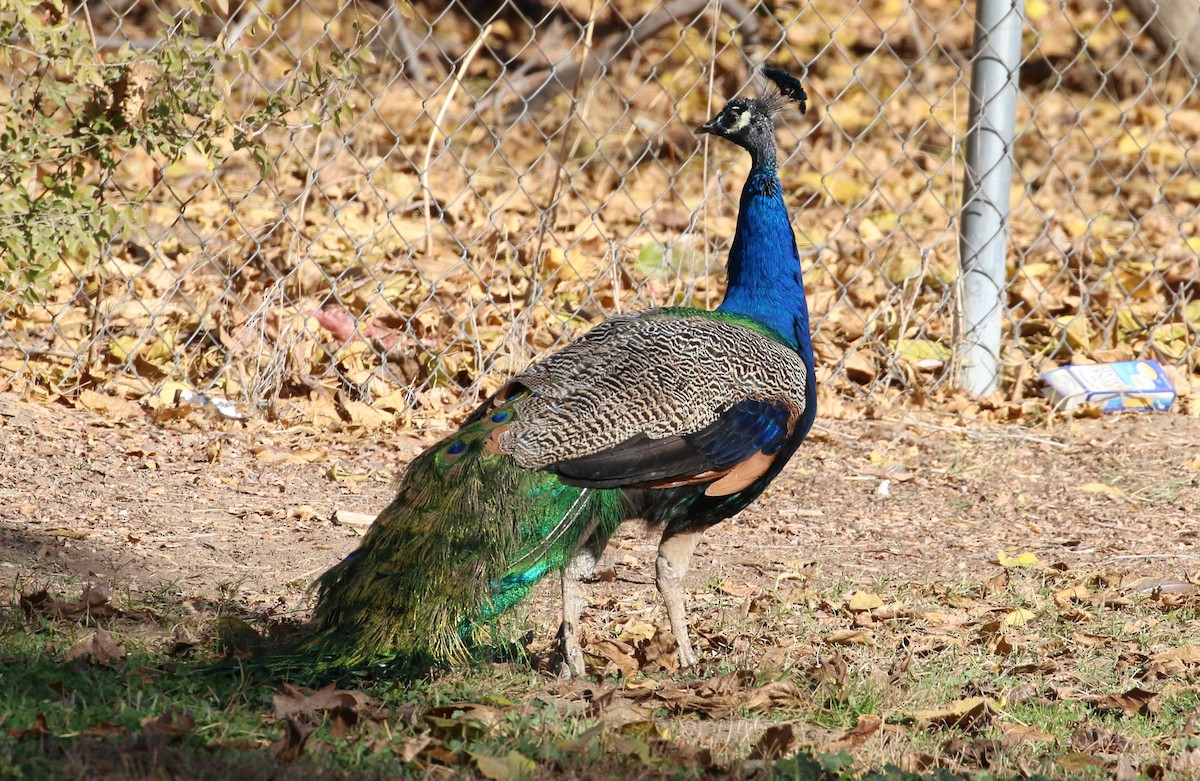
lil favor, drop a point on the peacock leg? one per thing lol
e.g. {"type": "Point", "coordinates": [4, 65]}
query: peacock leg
{"type": "Point", "coordinates": [576, 570]}
{"type": "Point", "coordinates": [674, 555]}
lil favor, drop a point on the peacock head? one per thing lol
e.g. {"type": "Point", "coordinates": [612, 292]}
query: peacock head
{"type": "Point", "coordinates": [749, 122]}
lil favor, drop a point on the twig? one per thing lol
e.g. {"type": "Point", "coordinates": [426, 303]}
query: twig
{"type": "Point", "coordinates": [436, 130]}
{"type": "Point", "coordinates": [1128, 556]}
{"type": "Point", "coordinates": [987, 435]}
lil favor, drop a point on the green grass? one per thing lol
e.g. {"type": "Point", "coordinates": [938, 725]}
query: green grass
{"type": "Point", "coordinates": [1051, 678]}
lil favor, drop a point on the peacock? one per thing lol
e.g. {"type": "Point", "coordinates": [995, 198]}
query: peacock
{"type": "Point", "coordinates": [676, 416]}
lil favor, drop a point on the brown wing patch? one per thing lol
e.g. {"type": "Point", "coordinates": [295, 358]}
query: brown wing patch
{"type": "Point", "coordinates": [741, 475]}
{"type": "Point", "coordinates": [675, 482]}
{"type": "Point", "coordinates": [492, 445]}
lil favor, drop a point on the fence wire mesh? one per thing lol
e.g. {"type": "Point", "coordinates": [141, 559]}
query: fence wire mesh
{"type": "Point", "coordinates": [402, 203]}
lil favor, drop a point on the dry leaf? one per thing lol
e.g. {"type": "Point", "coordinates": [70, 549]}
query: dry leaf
{"type": "Point", "coordinates": [1189, 654]}
{"type": "Point", "coordinates": [293, 701]}
{"type": "Point", "coordinates": [862, 601]}
{"type": "Point", "coordinates": [1132, 702]}
{"type": "Point", "coordinates": [295, 734]}
{"type": "Point", "coordinates": [866, 726]}
{"type": "Point", "coordinates": [97, 648]}
{"type": "Point", "coordinates": [849, 637]}
{"type": "Point", "coordinates": [167, 728]}
{"type": "Point", "coordinates": [1101, 488]}
{"type": "Point", "coordinates": [1020, 560]}
{"type": "Point", "coordinates": [39, 729]}
{"type": "Point", "coordinates": [1019, 617]}
{"type": "Point", "coordinates": [972, 713]}
{"type": "Point", "coordinates": [513, 765]}
{"type": "Point", "coordinates": [777, 741]}
{"type": "Point", "coordinates": [611, 657]}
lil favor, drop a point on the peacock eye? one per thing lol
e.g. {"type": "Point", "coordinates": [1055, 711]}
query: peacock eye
{"type": "Point", "coordinates": [456, 448]}
{"type": "Point", "coordinates": [500, 417]}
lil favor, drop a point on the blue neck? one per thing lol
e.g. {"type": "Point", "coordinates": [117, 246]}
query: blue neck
{"type": "Point", "coordinates": [764, 265]}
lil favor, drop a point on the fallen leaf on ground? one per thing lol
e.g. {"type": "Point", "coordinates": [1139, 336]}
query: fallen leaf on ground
{"type": "Point", "coordinates": [1101, 488]}
{"type": "Point", "coordinates": [1019, 617]}
{"type": "Point", "coordinates": [613, 657]}
{"type": "Point", "coordinates": [513, 765]}
{"type": "Point", "coordinates": [1025, 559]}
{"type": "Point", "coordinates": [776, 741]}
{"type": "Point", "coordinates": [97, 648]}
{"type": "Point", "coordinates": [295, 734]}
{"type": "Point", "coordinates": [159, 730]}
{"type": "Point", "coordinates": [462, 720]}
{"type": "Point", "coordinates": [1132, 702]}
{"type": "Point", "coordinates": [1188, 654]}
{"type": "Point", "coordinates": [868, 725]}
{"type": "Point", "coordinates": [849, 637]}
{"type": "Point", "coordinates": [967, 714]}
{"type": "Point", "coordinates": [863, 601]}
{"type": "Point", "coordinates": [38, 729]}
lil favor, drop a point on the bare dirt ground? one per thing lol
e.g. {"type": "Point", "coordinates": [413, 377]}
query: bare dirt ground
{"type": "Point", "coordinates": [245, 511]}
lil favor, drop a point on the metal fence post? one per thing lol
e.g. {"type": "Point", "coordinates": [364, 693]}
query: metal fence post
{"type": "Point", "coordinates": [983, 241]}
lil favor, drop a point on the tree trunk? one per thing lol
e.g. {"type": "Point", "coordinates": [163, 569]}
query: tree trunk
{"type": "Point", "coordinates": [1175, 27]}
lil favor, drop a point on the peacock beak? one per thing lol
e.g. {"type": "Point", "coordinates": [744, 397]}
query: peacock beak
{"type": "Point", "coordinates": [710, 126]}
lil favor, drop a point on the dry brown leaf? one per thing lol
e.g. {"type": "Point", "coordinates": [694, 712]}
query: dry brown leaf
{"type": "Point", "coordinates": [1188, 654]}
{"type": "Point", "coordinates": [1132, 702]}
{"type": "Point", "coordinates": [407, 749]}
{"type": "Point", "coordinates": [98, 648]}
{"type": "Point", "coordinates": [1066, 596]}
{"type": "Point", "coordinates": [462, 721]}
{"type": "Point", "coordinates": [866, 726]}
{"type": "Point", "coordinates": [167, 728]}
{"type": "Point", "coordinates": [291, 744]}
{"type": "Point", "coordinates": [972, 713]}
{"type": "Point", "coordinates": [109, 406]}
{"type": "Point", "coordinates": [777, 741]}
{"type": "Point", "coordinates": [1187, 763]}
{"type": "Point", "coordinates": [38, 729]}
{"type": "Point", "coordinates": [293, 701]}
{"type": "Point", "coordinates": [849, 637]}
{"type": "Point", "coordinates": [1021, 733]}
{"type": "Point", "coordinates": [612, 657]}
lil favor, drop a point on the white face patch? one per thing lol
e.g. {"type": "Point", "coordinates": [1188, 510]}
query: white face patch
{"type": "Point", "coordinates": [742, 121]}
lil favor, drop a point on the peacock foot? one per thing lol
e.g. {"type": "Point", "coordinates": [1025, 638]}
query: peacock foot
{"type": "Point", "coordinates": [573, 665]}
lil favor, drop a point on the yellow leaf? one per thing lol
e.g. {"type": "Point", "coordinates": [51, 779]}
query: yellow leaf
{"type": "Point", "coordinates": [1025, 559]}
{"type": "Point", "coordinates": [1076, 329]}
{"type": "Point", "coordinates": [916, 350]}
{"type": "Point", "coordinates": [1101, 488]}
{"type": "Point", "coordinates": [1064, 598]}
{"type": "Point", "coordinates": [845, 190]}
{"type": "Point", "coordinates": [1036, 10]}
{"type": "Point", "coordinates": [1036, 269]}
{"type": "Point", "coordinates": [168, 391]}
{"type": "Point", "coordinates": [850, 637]}
{"type": "Point", "coordinates": [1019, 617]}
{"type": "Point", "coordinates": [122, 347]}
{"type": "Point", "coordinates": [870, 233]}
{"type": "Point", "coordinates": [863, 601]}
{"type": "Point", "coordinates": [634, 632]}
{"type": "Point", "coordinates": [900, 266]}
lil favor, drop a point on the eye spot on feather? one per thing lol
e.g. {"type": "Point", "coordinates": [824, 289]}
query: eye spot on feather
{"type": "Point", "coordinates": [453, 452]}
{"type": "Point", "coordinates": [500, 418]}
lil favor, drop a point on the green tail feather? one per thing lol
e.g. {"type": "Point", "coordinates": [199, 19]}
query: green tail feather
{"type": "Point", "coordinates": [468, 535]}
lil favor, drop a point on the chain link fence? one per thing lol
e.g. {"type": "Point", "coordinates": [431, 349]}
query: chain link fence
{"type": "Point", "coordinates": [396, 205]}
